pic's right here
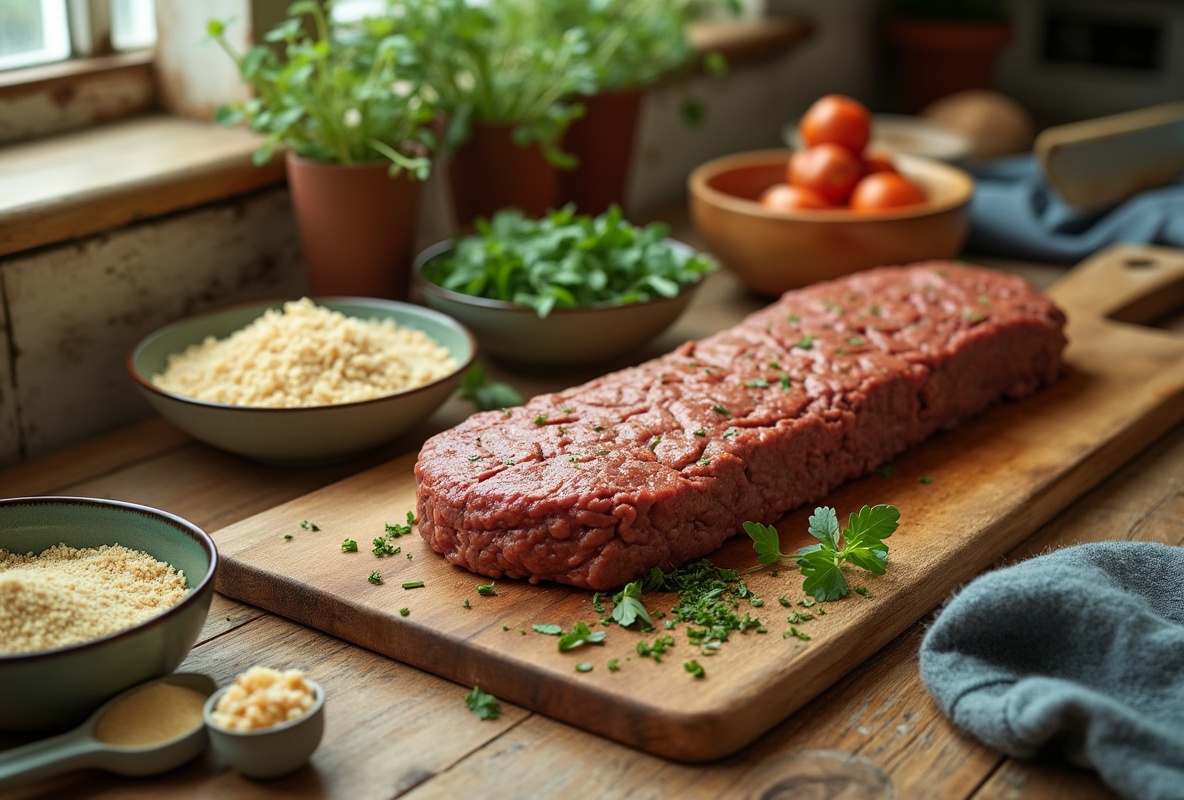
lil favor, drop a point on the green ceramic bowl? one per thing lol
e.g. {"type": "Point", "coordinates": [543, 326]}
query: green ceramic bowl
{"type": "Point", "coordinates": [52, 689]}
{"type": "Point", "coordinates": [274, 751]}
{"type": "Point", "coordinates": [300, 436]}
{"type": "Point", "coordinates": [567, 336]}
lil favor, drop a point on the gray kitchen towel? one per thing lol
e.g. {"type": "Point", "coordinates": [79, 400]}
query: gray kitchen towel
{"type": "Point", "coordinates": [1078, 651]}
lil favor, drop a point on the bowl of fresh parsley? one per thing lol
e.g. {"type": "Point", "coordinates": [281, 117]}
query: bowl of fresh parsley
{"type": "Point", "coordinates": [561, 289]}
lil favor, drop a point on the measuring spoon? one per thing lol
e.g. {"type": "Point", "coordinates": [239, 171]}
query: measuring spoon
{"type": "Point", "coordinates": [80, 749]}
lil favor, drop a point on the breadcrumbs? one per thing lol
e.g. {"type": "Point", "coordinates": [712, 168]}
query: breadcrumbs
{"type": "Point", "coordinates": [67, 596]}
{"type": "Point", "coordinates": [262, 697]}
{"type": "Point", "coordinates": [306, 355]}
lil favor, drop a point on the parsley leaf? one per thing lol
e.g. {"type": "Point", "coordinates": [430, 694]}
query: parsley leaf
{"type": "Point", "coordinates": [485, 706]}
{"type": "Point", "coordinates": [550, 629]}
{"type": "Point", "coordinates": [487, 396]}
{"type": "Point", "coordinates": [628, 607]}
{"type": "Point", "coordinates": [861, 543]}
{"type": "Point", "coordinates": [578, 635]}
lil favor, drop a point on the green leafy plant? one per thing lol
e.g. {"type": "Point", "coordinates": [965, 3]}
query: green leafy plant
{"type": "Point", "coordinates": [485, 394]}
{"type": "Point", "coordinates": [567, 260]}
{"type": "Point", "coordinates": [629, 608]}
{"type": "Point", "coordinates": [344, 94]}
{"type": "Point", "coordinates": [861, 543]}
{"type": "Point", "coordinates": [503, 62]}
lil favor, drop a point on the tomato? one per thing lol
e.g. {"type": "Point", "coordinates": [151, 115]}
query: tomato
{"type": "Point", "coordinates": [828, 169]}
{"type": "Point", "coordinates": [783, 197]}
{"type": "Point", "coordinates": [882, 190]}
{"type": "Point", "coordinates": [878, 162]}
{"type": "Point", "coordinates": [837, 119]}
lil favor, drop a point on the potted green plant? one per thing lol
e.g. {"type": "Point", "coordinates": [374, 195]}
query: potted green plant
{"type": "Point", "coordinates": [632, 46]}
{"type": "Point", "coordinates": [347, 106]}
{"type": "Point", "coordinates": [508, 80]}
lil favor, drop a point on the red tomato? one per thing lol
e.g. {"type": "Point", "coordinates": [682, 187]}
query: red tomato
{"type": "Point", "coordinates": [882, 190]}
{"type": "Point", "coordinates": [878, 162]}
{"type": "Point", "coordinates": [828, 169]}
{"type": "Point", "coordinates": [837, 119]}
{"type": "Point", "coordinates": [783, 197]}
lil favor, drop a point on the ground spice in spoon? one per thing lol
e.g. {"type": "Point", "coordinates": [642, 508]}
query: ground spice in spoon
{"type": "Point", "coordinates": [154, 714]}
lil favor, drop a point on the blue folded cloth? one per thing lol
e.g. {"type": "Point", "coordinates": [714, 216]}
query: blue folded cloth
{"type": "Point", "coordinates": [1015, 213]}
{"type": "Point", "coordinates": [1078, 651]}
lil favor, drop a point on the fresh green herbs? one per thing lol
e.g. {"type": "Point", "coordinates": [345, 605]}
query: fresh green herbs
{"type": "Point", "coordinates": [861, 543]}
{"type": "Point", "coordinates": [349, 546]}
{"type": "Point", "coordinates": [547, 628]}
{"type": "Point", "coordinates": [413, 584]}
{"type": "Point", "coordinates": [695, 668]}
{"type": "Point", "coordinates": [484, 706]}
{"type": "Point", "coordinates": [580, 634]}
{"type": "Point", "coordinates": [487, 396]}
{"type": "Point", "coordinates": [709, 599]}
{"type": "Point", "coordinates": [485, 589]}
{"type": "Point", "coordinates": [567, 260]}
{"type": "Point", "coordinates": [384, 547]}
{"type": "Point", "coordinates": [394, 530]}
{"type": "Point", "coordinates": [309, 526]}
{"type": "Point", "coordinates": [375, 577]}
{"type": "Point", "coordinates": [628, 607]}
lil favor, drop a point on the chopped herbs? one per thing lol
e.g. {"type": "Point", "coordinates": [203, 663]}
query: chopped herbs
{"type": "Point", "coordinates": [613, 665]}
{"type": "Point", "coordinates": [375, 578]}
{"type": "Point", "coordinates": [861, 543]}
{"type": "Point", "coordinates": [925, 479]}
{"type": "Point", "coordinates": [487, 396]}
{"type": "Point", "coordinates": [548, 628]}
{"type": "Point", "coordinates": [657, 440]}
{"type": "Point", "coordinates": [467, 604]}
{"type": "Point", "coordinates": [404, 612]}
{"type": "Point", "coordinates": [384, 547]}
{"type": "Point", "coordinates": [731, 433]}
{"type": "Point", "coordinates": [708, 601]}
{"type": "Point", "coordinates": [287, 537]}
{"type": "Point", "coordinates": [309, 526]}
{"type": "Point", "coordinates": [700, 431]}
{"type": "Point", "coordinates": [349, 546]}
{"type": "Point", "coordinates": [474, 457]}
{"type": "Point", "coordinates": [720, 409]}
{"type": "Point", "coordinates": [757, 383]}
{"type": "Point", "coordinates": [655, 649]}
{"type": "Point", "coordinates": [413, 584]}
{"type": "Point", "coordinates": [394, 531]}
{"type": "Point", "coordinates": [579, 634]}
{"type": "Point", "coordinates": [855, 341]}
{"type": "Point", "coordinates": [695, 668]}
{"type": "Point", "coordinates": [805, 343]}
{"type": "Point", "coordinates": [485, 589]}
{"type": "Point", "coordinates": [628, 607]}
{"type": "Point", "coordinates": [584, 666]}
{"type": "Point", "coordinates": [705, 461]}
{"type": "Point", "coordinates": [485, 706]}
{"type": "Point", "coordinates": [540, 420]}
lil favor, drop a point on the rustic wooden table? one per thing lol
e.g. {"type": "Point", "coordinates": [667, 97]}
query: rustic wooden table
{"type": "Point", "coordinates": [394, 731]}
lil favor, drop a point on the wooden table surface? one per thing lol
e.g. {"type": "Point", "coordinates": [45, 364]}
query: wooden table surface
{"type": "Point", "coordinates": [394, 731]}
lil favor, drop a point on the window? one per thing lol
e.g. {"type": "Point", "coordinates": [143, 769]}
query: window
{"type": "Point", "coordinates": [36, 32]}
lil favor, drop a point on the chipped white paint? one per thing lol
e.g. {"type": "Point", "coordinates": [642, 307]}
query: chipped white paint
{"type": "Point", "coordinates": [76, 310]}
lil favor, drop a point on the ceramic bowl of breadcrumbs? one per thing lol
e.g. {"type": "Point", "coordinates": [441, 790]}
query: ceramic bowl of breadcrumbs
{"type": "Point", "coordinates": [303, 382]}
{"type": "Point", "coordinates": [96, 596]}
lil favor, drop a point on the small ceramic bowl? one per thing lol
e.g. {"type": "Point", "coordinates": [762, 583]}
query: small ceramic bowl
{"type": "Point", "coordinates": [274, 751]}
{"type": "Point", "coordinates": [61, 687]}
{"type": "Point", "coordinates": [772, 252]}
{"type": "Point", "coordinates": [516, 335]}
{"type": "Point", "coordinates": [300, 436]}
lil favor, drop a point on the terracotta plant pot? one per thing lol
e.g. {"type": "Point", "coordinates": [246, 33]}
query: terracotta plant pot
{"type": "Point", "coordinates": [603, 140]}
{"type": "Point", "coordinates": [490, 172]}
{"type": "Point", "coordinates": [941, 57]}
{"type": "Point", "coordinates": [357, 227]}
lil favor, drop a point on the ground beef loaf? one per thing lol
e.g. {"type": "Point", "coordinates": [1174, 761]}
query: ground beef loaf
{"type": "Point", "coordinates": [660, 463]}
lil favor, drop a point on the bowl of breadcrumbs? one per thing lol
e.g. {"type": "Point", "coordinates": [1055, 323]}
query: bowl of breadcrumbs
{"type": "Point", "coordinates": [303, 382]}
{"type": "Point", "coordinates": [96, 596]}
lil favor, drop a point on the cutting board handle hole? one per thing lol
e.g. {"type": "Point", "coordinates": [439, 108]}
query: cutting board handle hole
{"type": "Point", "coordinates": [1138, 263]}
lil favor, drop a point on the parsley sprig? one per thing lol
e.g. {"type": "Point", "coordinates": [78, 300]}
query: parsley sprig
{"type": "Point", "coordinates": [482, 704]}
{"type": "Point", "coordinates": [861, 543]}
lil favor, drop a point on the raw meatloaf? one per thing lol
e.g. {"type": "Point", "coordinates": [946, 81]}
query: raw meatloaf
{"type": "Point", "coordinates": [659, 464]}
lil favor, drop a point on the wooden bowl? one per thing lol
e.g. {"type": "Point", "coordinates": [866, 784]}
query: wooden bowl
{"type": "Point", "coordinates": [773, 252]}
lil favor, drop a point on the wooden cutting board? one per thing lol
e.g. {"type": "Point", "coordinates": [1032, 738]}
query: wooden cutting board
{"type": "Point", "coordinates": [993, 482]}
